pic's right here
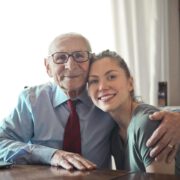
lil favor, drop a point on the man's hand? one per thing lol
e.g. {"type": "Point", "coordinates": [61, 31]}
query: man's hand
{"type": "Point", "coordinates": [70, 161]}
{"type": "Point", "coordinates": [166, 137]}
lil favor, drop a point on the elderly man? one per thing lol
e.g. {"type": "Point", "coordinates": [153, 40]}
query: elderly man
{"type": "Point", "coordinates": [35, 132]}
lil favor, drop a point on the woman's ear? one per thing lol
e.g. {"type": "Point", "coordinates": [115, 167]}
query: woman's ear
{"type": "Point", "coordinates": [48, 67]}
{"type": "Point", "coordinates": [131, 84]}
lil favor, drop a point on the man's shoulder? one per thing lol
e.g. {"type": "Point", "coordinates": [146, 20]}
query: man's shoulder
{"type": "Point", "coordinates": [46, 90]}
{"type": "Point", "coordinates": [38, 89]}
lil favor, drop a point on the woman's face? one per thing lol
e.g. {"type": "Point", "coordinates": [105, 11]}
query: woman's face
{"type": "Point", "coordinates": [108, 85]}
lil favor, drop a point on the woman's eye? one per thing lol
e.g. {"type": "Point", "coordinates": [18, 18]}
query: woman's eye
{"type": "Point", "coordinates": [93, 81]}
{"type": "Point", "coordinates": [111, 77]}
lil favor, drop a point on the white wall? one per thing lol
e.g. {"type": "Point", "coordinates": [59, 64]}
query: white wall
{"type": "Point", "coordinates": [27, 28]}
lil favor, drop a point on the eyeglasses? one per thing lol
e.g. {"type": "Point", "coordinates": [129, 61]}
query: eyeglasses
{"type": "Point", "coordinates": [78, 56]}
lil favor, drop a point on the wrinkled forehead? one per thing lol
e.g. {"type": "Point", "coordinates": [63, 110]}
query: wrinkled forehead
{"type": "Point", "coordinates": [68, 44]}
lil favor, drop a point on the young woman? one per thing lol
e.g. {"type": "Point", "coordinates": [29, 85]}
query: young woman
{"type": "Point", "coordinates": [111, 88]}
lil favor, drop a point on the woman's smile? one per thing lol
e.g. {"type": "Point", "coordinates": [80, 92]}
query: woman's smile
{"type": "Point", "coordinates": [106, 97]}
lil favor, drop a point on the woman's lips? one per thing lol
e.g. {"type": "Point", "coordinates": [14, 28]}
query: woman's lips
{"type": "Point", "coordinates": [106, 97]}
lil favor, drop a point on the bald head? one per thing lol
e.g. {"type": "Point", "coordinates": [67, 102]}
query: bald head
{"type": "Point", "coordinates": [70, 76]}
{"type": "Point", "coordinates": [71, 38]}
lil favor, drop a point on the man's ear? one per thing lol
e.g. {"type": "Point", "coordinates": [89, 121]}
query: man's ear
{"type": "Point", "coordinates": [48, 68]}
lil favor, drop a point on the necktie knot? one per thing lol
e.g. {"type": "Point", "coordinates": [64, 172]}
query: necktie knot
{"type": "Point", "coordinates": [70, 105]}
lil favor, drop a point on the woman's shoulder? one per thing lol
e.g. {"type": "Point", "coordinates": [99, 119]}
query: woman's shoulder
{"type": "Point", "coordinates": [140, 118]}
{"type": "Point", "coordinates": [145, 109]}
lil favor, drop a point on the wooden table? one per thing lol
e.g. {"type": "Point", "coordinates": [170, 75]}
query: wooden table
{"type": "Point", "coordinates": [36, 172]}
{"type": "Point", "coordinates": [147, 176]}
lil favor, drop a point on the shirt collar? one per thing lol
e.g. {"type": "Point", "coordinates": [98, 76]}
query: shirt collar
{"type": "Point", "coordinates": [60, 97]}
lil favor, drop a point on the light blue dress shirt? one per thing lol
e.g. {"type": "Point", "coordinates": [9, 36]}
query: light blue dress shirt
{"type": "Point", "coordinates": [35, 128]}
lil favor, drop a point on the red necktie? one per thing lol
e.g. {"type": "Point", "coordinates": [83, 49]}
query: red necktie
{"type": "Point", "coordinates": [72, 135]}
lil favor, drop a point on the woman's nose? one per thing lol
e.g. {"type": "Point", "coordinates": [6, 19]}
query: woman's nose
{"type": "Point", "coordinates": [102, 85]}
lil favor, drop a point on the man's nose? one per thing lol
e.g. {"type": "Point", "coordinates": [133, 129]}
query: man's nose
{"type": "Point", "coordinates": [71, 63]}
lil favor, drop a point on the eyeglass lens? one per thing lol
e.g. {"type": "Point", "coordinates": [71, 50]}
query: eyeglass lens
{"type": "Point", "coordinates": [78, 56]}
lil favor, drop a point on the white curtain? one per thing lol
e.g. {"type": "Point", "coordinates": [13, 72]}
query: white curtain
{"type": "Point", "coordinates": [141, 34]}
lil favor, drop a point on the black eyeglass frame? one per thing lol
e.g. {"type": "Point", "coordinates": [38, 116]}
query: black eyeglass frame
{"type": "Point", "coordinates": [89, 55]}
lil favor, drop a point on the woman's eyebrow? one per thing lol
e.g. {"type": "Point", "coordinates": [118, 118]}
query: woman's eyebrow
{"type": "Point", "coordinates": [112, 70]}
{"type": "Point", "coordinates": [93, 76]}
{"type": "Point", "coordinates": [106, 73]}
